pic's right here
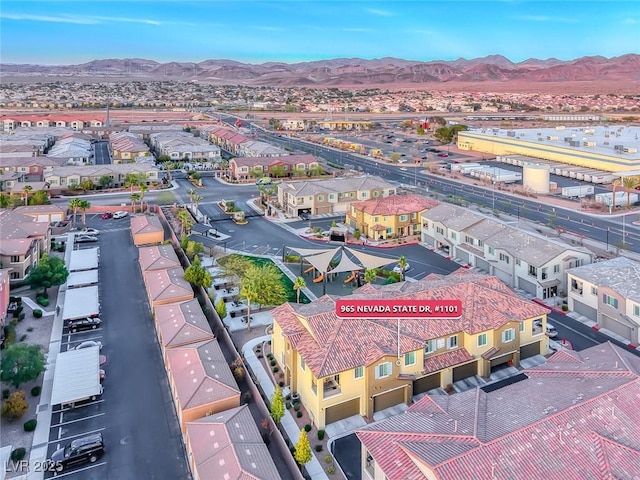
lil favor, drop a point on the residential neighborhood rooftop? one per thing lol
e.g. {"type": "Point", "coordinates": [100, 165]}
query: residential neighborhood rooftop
{"type": "Point", "coordinates": [160, 257]}
{"type": "Point", "coordinates": [620, 274]}
{"type": "Point", "coordinates": [574, 417]}
{"type": "Point", "coordinates": [395, 205]}
{"type": "Point", "coordinates": [336, 185]}
{"type": "Point", "coordinates": [182, 323]}
{"type": "Point", "coordinates": [145, 224]}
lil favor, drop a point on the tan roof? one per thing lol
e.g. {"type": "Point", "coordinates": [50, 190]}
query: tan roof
{"type": "Point", "coordinates": [167, 284]}
{"type": "Point", "coordinates": [229, 445]}
{"type": "Point", "coordinates": [330, 345]}
{"type": "Point", "coordinates": [14, 225]}
{"type": "Point", "coordinates": [201, 374]}
{"type": "Point", "coordinates": [159, 257]}
{"type": "Point", "coordinates": [15, 246]}
{"type": "Point", "coordinates": [38, 209]}
{"type": "Point", "coordinates": [335, 185]}
{"type": "Point", "coordinates": [145, 224]}
{"type": "Point", "coordinates": [271, 161]}
{"type": "Point", "coordinates": [395, 205]}
{"type": "Point", "coordinates": [182, 323]}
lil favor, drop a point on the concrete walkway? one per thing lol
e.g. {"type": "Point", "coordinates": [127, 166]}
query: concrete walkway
{"type": "Point", "coordinates": [315, 470]}
{"type": "Point", "coordinates": [34, 306]}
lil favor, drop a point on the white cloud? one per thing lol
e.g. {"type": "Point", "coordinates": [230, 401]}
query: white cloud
{"type": "Point", "coordinates": [378, 12]}
{"type": "Point", "coordinates": [542, 18]}
{"type": "Point", "coordinates": [630, 21]}
{"type": "Point", "coordinates": [78, 19]}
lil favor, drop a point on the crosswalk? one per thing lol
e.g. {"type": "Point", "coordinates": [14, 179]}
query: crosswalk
{"type": "Point", "coordinates": [254, 249]}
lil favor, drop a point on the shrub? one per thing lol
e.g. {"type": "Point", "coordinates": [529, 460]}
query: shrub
{"type": "Point", "coordinates": [37, 313]}
{"type": "Point", "coordinates": [275, 369]}
{"type": "Point", "coordinates": [307, 428]}
{"type": "Point", "coordinates": [288, 397]}
{"type": "Point", "coordinates": [281, 384]}
{"type": "Point", "coordinates": [320, 434]}
{"type": "Point", "coordinates": [9, 334]}
{"type": "Point", "coordinates": [273, 363]}
{"type": "Point", "coordinates": [30, 425]}
{"type": "Point", "coordinates": [331, 470]}
{"type": "Point", "coordinates": [42, 301]}
{"type": "Point", "coordinates": [259, 355]}
{"type": "Point", "coordinates": [15, 406]}
{"type": "Point", "coordinates": [299, 414]}
{"type": "Point", "coordinates": [18, 454]}
{"type": "Point", "coordinates": [21, 317]}
{"type": "Point", "coordinates": [5, 393]}
{"type": "Point", "coordinates": [35, 391]}
{"type": "Point", "coordinates": [269, 342]}
{"type": "Point", "coordinates": [328, 459]}
{"type": "Point", "coordinates": [296, 407]}
{"type": "Point", "coordinates": [318, 448]}
{"type": "Point", "coordinates": [565, 308]}
{"type": "Point", "coordinates": [30, 329]}
{"type": "Point", "coordinates": [44, 295]}
{"type": "Point", "coordinates": [292, 450]}
{"type": "Point", "coordinates": [288, 405]}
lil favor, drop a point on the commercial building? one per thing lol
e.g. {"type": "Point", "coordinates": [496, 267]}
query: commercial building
{"type": "Point", "coordinates": [573, 417]}
{"type": "Point", "coordinates": [343, 368]}
{"type": "Point", "coordinates": [524, 260]}
{"type": "Point", "coordinates": [607, 148]}
{"type": "Point", "coordinates": [395, 216]}
{"type": "Point", "coordinates": [609, 293]}
{"type": "Point", "coordinates": [334, 195]}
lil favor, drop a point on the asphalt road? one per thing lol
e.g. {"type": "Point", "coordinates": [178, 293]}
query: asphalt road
{"type": "Point", "coordinates": [101, 152]}
{"type": "Point", "coordinates": [135, 414]}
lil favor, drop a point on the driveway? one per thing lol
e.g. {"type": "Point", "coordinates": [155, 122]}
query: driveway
{"type": "Point", "coordinates": [348, 451]}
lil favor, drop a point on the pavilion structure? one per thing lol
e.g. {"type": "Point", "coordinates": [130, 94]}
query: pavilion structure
{"type": "Point", "coordinates": [335, 260]}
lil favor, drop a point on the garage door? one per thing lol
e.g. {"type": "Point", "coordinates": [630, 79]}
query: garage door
{"type": "Point", "coordinates": [462, 255]}
{"type": "Point", "coordinates": [501, 360]}
{"type": "Point", "coordinates": [427, 383]}
{"type": "Point", "coordinates": [617, 327]}
{"type": "Point", "coordinates": [527, 286]}
{"type": "Point", "coordinates": [389, 399]}
{"type": "Point", "coordinates": [502, 275]}
{"type": "Point", "coordinates": [342, 411]}
{"type": "Point", "coordinates": [482, 264]}
{"type": "Point", "coordinates": [530, 350]}
{"type": "Point", "coordinates": [585, 310]}
{"type": "Point", "coordinates": [465, 371]}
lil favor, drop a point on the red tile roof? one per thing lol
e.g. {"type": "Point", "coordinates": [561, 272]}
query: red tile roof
{"type": "Point", "coordinates": [395, 205]}
{"type": "Point", "coordinates": [273, 161]}
{"type": "Point", "coordinates": [330, 345]}
{"type": "Point", "coordinates": [159, 257]}
{"type": "Point", "coordinates": [574, 418]}
{"type": "Point", "coordinates": [145, 224]}
{"type": "Point", "coordinates": [445, 360]}
{"type": "Point", "coordinates": [182, 324]}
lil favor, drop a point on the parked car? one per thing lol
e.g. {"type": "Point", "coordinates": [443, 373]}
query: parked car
{"type": "Point", "coordinates": [551, 331]}
{"type": "Point", "coordinates": [398, 269]}
{"type": "Point", "coordinates": [83, 324]}
{"type": "Point", "coordinates": [403, 169]}
{"type": "Point", "coordinates": [305, 216]}
{"type": "Point", "coordinates": [443, 154]}
{"type": "Point", "coordinates": [88, 344]}
{"type": "Point", "coordinates": [264, 181]}
{"type": "Point", "coordinates": [107, 216]}
{"type": "Point", "coordinates": [90, 231]}
{"type": "Point", "coordinates": [81, 450]}
{"type": "Point", "coordinates": [86, 238]}
{"type": "Point", "coordinates": [120, 214]}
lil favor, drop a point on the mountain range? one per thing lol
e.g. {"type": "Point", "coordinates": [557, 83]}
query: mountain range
{"type": "Point", "coordinates": [346, 71]}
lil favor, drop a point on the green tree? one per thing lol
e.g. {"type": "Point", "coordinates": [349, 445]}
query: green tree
{"type": "Point", "coordinates": [197, 275]}
{"type": "Point", "coordinates": [143, 189]}
{"type": "Point", "coordinates": [5, 201]}
{"type": "Point", "coordinates": [131, 180]}
{"type": "Point", "coordinates": [298, 285]}
{"type": "Point", "coordinates": [104, 181]}
{"type": "Point", "coordinates": [403, 264]}
{"type": "Point", "coordinates": [134, 198]}
{"type": "Point", "coordinates": [22, 363]}
{"type": "Point", "coordinates": [278, 171]}
{"type": "Point", "coordinates": [276, 407]}
{"type": "Point", "coordinates": [163, 159]}
{"type": "Point", "coordinates": [84, 205]}
{"type": "Point", "coordinates": [25, 192]}
{"type": "Point", "coordinates": [191, 192]}
{"type": "Point", "coordinates": [86, 185]}
{"type": "Point", "coordinates": [49, 272]}
{"type": "Point", "coordinates": [185, 219]}
{"type": "Point", "coordinates": [234, 266]}
{"type": "Point", "coordinates": [302, 452]}
{"type": "Point", "coordinates": [184, 241]}
{"type": "Point", "coordinates": [262, 285]}
{"type": "Point", "coordinates": [15, 406]}
{"type": "Point", "coordinates": [370, 275]}
{"type": "Point", "coordinates": [193, 249]}
{"type": "Point", "coordinates": [39, 198]}
{"type": "Point", "coordinates": [74, 205]}
{"type": "Point", "coordinates": [196, 200]}
{"type": "Point", "coordinates": [221, 308]}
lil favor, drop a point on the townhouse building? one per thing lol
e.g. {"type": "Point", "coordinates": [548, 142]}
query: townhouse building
{"type": "Point", "coordinates": [31, 168]}
{"type": "Point", "coordinates": [330, 196]}
{"type": "Point", "coordinates": [574, 416]}
{"type": "Point", "coordinates": [394, 216]}
{"type": "Point", "coordinates": [75, 122]}
{"type": "Point", "coordinates": [260, 149]}
{"type": "Point", "coordinates": [609, 293]}
{"type": "Point", "coordinates": [183, 145]}
{"type": "Point", "coordinates": [524, 260]}
{"type": "Point", "coordinates": [23, 239]}
{"type": "Point", "coordinates": [341, 368]}
{"type": "Point", "coordinates": [246, 168]}
{"type": "Point", "coordinates": [62, 178]}
{"type": "Point", "coordinates": [145, 131]}
{"type": "Point", "coordinates": [126, 147]}
{"type": "Point", "coordinates": [74, 149]}
{"type": "Point", "coordinates": [226, 138]}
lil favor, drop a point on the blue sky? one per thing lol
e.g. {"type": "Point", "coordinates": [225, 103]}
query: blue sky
{"type": "Point", "coordinates": [56, 32]}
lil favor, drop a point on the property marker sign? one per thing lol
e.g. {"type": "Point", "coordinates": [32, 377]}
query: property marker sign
{"type": "Point", "coordinates": [397, 308]}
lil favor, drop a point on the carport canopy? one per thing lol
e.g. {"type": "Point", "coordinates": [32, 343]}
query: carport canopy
{"type": "Point", "coordinates": [82, 278]}
{"type": "Point", "coordinates": [84, 259]}
{"type": "Point", "coordinates": [80, 303]}
{"type": "Point", "coordinates": [349, 260]}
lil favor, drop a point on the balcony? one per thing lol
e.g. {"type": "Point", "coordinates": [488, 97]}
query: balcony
{"type": "Point", "coordinates": [330, 388]}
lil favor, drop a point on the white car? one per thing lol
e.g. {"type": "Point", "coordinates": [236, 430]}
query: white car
{"type": "Point", "coordinates": [403, 169]}
{"type": "Point", "coordinates": [90, 231]}
{"type": "Point", "coordinates": [88, 344]}
{"type": "Point", "coordinates": [551, 331]}
{"type": "Point", "coordinates": [120, 214]}
{"type": "Point", "coordinates": [398, 269]}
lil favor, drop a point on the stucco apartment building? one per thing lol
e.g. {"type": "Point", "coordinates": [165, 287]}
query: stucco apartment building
{"type": "Point", "coordinates": [11, 123]}
{"type": "Point", "coordinates": [23, 240]}
{"type": "Point", "coordinates": [61, 178]}
{"type": "Point", "coordinates": [395, 216]}
{"type": "Point", "coordinates": [573, 417]}
{"type": "Point", "coordinates": [334, 195]}
{"type": "Point", "coordinates": [246, 168]}
{"type": "Point", "coordinates": [343, 368]}
{"type": "Point", "coordinates": [126, 147]}
{"type": "Point", "coordinates": [609, 293]}
{"type": "Point", "coordinates": [523, 260]}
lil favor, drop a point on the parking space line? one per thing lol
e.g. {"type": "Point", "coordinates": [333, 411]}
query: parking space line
{"type": "Point", "coordinates": [60, 475]}
{"type": "Point", "coordinates": [78, 420]}
{"type": "Point", "coordinates": [77, 435]}
{"type": "Point", "coordinates": [77, 407]}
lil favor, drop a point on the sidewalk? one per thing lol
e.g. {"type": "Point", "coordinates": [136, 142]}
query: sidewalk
{"type": "Point", "coordinates": [314, 469]}
{"type": "Point", "coordinates": [174, 186]}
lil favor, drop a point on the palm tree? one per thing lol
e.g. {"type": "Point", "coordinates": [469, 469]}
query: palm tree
{"type": "Point", "coordinates": [402, 263]}
{"type": "Point", "coordinates": [74, 205]}
{"type": "Point", "coordinates": [143, 189]}
{"type": "Point", "coordinates": [185, 221]}
{"type": "Point", "coordinates": [298, 285]}
{"type": "Point", "coordinates": [26, 189]}
{"type": "Point", "coordinates": [191, 192]}
{"type": "Point", "coordinates": [84, 205]}
{"type": "Point", "coordinates": [197, 199]}
{"type": "Point", "coordinates": [168, 166]}
{"type": "Point", "coordinates": [131, 180]}
{"type": "Point", "coordinates": [134, 198]}
{"type": "Point", "coordinates": [370, 275]}
{"type": "Point", "coordinates": [629, 184]}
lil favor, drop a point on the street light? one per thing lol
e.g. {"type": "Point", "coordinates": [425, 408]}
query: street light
{"type": "Point", "coordinates": [493, 203]}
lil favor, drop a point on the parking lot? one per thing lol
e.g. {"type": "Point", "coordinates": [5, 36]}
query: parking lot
{"type": "Point", "coordinates": [135, 414]}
